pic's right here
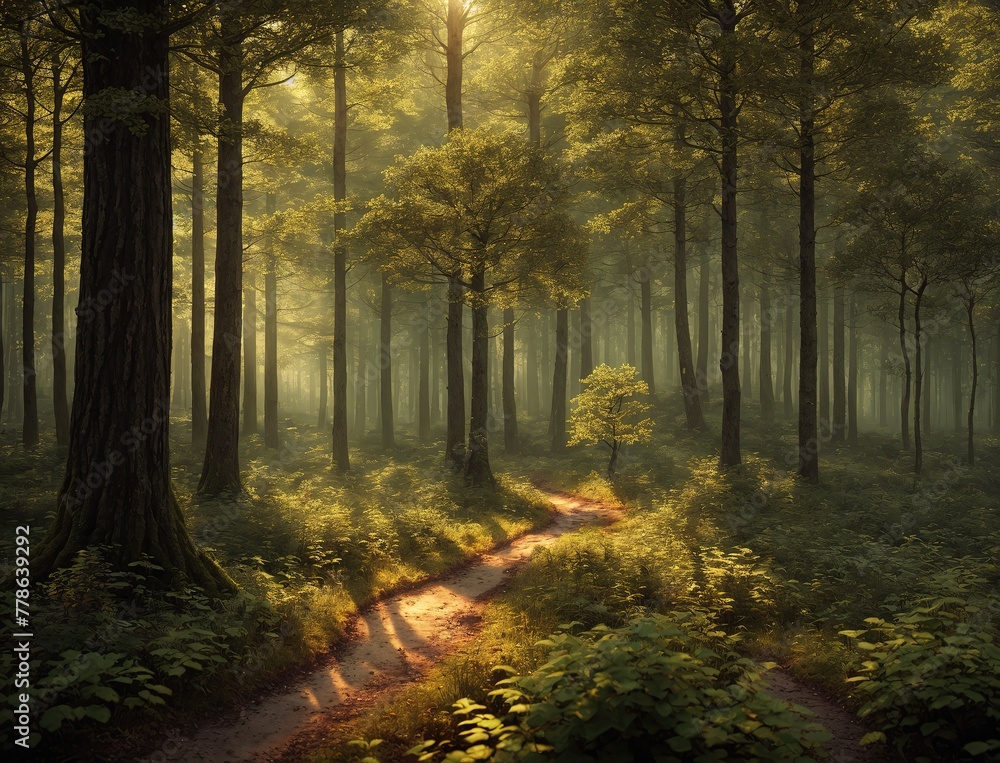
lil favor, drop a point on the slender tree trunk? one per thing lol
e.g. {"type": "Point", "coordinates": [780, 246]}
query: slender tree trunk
{"type": "Point", "coordinates": [29, 432]}
{"type": "Point", "coordinates": [272, 438]}
{"type": "Point", "coordinates": [730, 357]}
{"type": "Point", "coordinates": [199, 410]}
{"type": "Point", "coordinates": [996, 384]}
{"type": "Point", "coordinates": [454, 61]}
{"type": "Point", "coordinates": [646, 312]}
{"type": "Point", "coordinates": [477, 464]}
{"type": "Point", "coordinates": [808, 350]}
{"type": "Point", "coordinates": [970, 314]}
{"type": "Point", "coordinates": [385, 366]}
{"type": "Point", "coordinates": [361, 381]}
{"type": "Point", "coordinates": [839, 424]}
{"type": "Point", "coordinates": [956, 385]}
{"type": "Point", "coordinates": [746, 322]}
{"type": "Point", "coordinates": [928, 394]}
{"type": "Point", "coordinates": [630, 342]}
{"type": "Point", "coordinates": [904, 404]}
{"type": "Point", "coordinates": [690, 381]}
{"type": "Point", "coordinates": [455, 441]}
{"type": "Point", "coordinates": [510, 435]}
{"type": "Point", "coordinates": [531, 366]}
{"type": "Point", "coordinates": [221, 471]}
{"type": "Point", "coordinates": [249, 361]}
{"type": "Point", "coordinates": [586, 338]}
{"type": "Point", "coordinates": [703, 328]}
{"type": "Point", "coordinates": [918, 382]}
{"type": "Point", "coordinates": [787, 363]}
{"type": "Point", "coordinates": [852, 375]}
{"type": "Point", "coordinates": [3, 351]}
{"type": "Point", "coordinates": [117, 491]}
{"type": "Point", "coordinates": [824, 365]}
{"type": "Point", "coordinates": [424, 393]}
{"type": "Point", "coordinates": [883, 384]}
{"type": "Point", "coordinates": [766, 382]}
{"type": "Point", "coordinates": [341, 454]}
{"type": "Point", "coordinates": [59, 398]}
{"type": "Point", "coordinates": [557, 423]}
{"type": "Point", "coordinates": [613, 462]}
{"type": "Point", "coordinates": [324, 386]}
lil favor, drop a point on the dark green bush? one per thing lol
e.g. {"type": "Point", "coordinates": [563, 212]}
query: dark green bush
{"type": "Point", "coordinates": [932, 681]}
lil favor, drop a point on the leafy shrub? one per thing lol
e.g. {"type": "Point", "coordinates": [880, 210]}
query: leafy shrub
{"type": "Point", "coordinates": [932, 680]}
{"type": "Point", "coordinates": [659, 688]}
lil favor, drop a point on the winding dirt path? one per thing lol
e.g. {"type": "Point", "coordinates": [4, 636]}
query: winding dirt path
{"type": "Point", "coordinates": [396, 641]}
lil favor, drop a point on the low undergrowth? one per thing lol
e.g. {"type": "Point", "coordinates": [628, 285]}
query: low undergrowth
{"type": "Point", "coordinates": [871, 576]}
{"type": "Point", "coordinates": [116, 650]}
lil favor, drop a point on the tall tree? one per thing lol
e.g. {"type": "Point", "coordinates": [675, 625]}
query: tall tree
{"type": "Point", "coordinates": [117, 491]}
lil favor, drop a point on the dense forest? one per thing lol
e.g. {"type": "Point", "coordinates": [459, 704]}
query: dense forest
{"type": "Point", "coordinates": [500, 380]}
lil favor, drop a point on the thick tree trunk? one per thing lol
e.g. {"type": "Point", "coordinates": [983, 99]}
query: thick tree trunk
{"type": "Point", "coordinates": [510, 435]}
{"type": "Point", "coordinates": [586, 338]}
{"type": "Point", "coordinates": [690, 381]}
{"type": "Point", "coordinates": [918, 382]}
{"type": "Point", "coordinates": [557, 418]}
{"type": "Point", "coordinates": [839, 423]}
{"type": "Point", "coordinates": [703, 328]}
{"type": "Point", "coordinates": [59, 398]}
{"type": "Point", "coordinates": [852, 374]}
{"type": "Point", "coordinates": [646, 340]}
{"type": "Point", "coordinates": [385, 366]}
{"type": "Point", "coordinates": [455, 438]}
{"type": "Point", "coordinates": [477, 463]}
{"type": "Point", "coordinates": [249, 361]}
{"type": "Point", "coordinates": [613, 461]}
{"type": "Point", "coordinates": [272, 438]}
{"type": "Point", "coordinates": [341, 454]}
{"type": "Point", "coordinates": [199, 410]}
{"type": "Point", "coordinates": [904, 403]}
{"type": "Point", "coordinates": [117, 491]}
{"type": "Point", "coordinates": [221, 471]}
{"type": "Point", "coordinates": [29, 431]}
{"type": "Point", "coordinates": [766, 382]}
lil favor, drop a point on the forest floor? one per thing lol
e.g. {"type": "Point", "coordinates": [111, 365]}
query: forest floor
{"type": "Point", "coordinates": [396, 641]}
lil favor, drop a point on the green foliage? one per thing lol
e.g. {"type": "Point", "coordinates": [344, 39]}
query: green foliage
{"type": "Point", "coordinates": [932, 680]}
{"type": "Point", "coordinates": [117, 642]}
{"type": "Point", "coordinates": [672, 686]}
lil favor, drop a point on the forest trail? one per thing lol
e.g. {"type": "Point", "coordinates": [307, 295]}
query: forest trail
{"type": "Point", "coordinates": [397, 640]}
{"type": "Point", "coordinates": [847, 730]}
